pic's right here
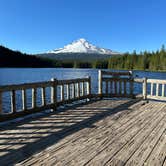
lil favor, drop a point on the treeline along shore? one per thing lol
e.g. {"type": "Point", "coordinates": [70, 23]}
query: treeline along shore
{"type": "Point", "coordinates": [153, 61]}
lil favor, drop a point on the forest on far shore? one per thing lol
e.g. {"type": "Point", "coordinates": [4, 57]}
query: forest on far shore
{"type": "Point", "coordinates": [153, 61]}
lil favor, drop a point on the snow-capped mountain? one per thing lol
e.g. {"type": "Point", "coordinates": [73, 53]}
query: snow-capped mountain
{"type": "Point", "coordinates": [82, 46]}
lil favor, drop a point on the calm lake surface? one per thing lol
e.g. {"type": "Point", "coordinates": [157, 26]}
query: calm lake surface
{"type": "Point", "coordinates": [10, 76]}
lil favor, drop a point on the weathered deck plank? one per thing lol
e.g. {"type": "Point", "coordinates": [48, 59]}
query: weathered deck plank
{"type": "Point", "coordinates": [112, 133]}
{"type": "Point", "coordinates": [114, 143]}
{"type": "Point", "coordinates": [143, 135]}
{"type": "Point", "coordinates": [103, 132]}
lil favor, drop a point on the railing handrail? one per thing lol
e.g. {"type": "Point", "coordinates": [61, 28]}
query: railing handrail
{"type": "Point", "coordinates": [4, 88]}
{"type": "Point", "coordinates": [138, 80]}
{"type": "Point", "coordinates": [116, 79]}
{"type": "Point", "coordinates": [156, 81]}
{"type": "Point", "coordinates": [123, 73]}
{"type": "Point", "coordinates": [71, 90]}
{"type": "Point", "coordinates": [149, 80]}
{"type": "Point", "coordinates": [70, 81]}
{"type": "Point", "coordinates": [154, 91]}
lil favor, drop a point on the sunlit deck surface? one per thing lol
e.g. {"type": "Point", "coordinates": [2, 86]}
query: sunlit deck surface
{"type": "Point", "coordinates": [103, 132]}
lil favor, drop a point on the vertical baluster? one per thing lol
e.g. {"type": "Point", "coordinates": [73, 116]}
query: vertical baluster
{"type": "Point", "coordinates": [54, 92]}
{"type": "Point", "coordinates": [78, 89]}
{"type": "Point", "coordinates": [24, 99]}
{"type": "Point", "coordinates": [157, 89]}
{"type": "Point", "coordinates": [1, 103]}
{"type": "Point", "coordinates": [67, 92]}
{"type": "Point", "coordinates": [151, 89]}
{"type": "Point", "coordinates": [100, 83]}
{"type": "Point", "coordinates": [145, 88]}
{"type": "Point", "coordinates": [33, 97]}
{"type": "Point", "coordinates": [163, 89]}
{"type": "Point", "coordinates": [62, 93]}
{"type": "Point", "coordinates": [43, 96]}
{"type": "Point", "coordinates": [72, 90]}
{"type": "Point", "coordinates": [13, 101]}
{"type": "Point", "coordinates": [82, 88]}
{"type": "Point", "coordinates": [88, 85]}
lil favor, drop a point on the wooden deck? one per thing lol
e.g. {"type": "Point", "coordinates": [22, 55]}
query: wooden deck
{"type": "Point", "coordinates": [104, 132]}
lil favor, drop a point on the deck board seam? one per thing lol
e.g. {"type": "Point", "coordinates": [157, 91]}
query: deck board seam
{"type": "Point", "coordinates": [126, 132]}
{"type": "Point", "coordinates": [154, 112]}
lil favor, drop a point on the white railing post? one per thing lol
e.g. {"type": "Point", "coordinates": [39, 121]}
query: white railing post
{"type": "Point", "coordinates": [89, 87]}
{"type": "Point", "coordinates": [34, 97]}
{"type": "Point", "coordinates": [100, 83]}
{"type": "Point", "coordinates": [54, 93]}
{"type": "Point", "coordinates": [62, 93]}
{"type": "Point", "coordinates": [151, 89]}
{"type": "Point", "coordinates": [144, 90]}
{"type": "Point", "coordinates": [163, 89]}
{"type": "Point", "coordinates": [43, 96]}
{"type": "Point", "coordinates": [157, 89]}
{"type": "Point", "coordinates": [24, 99]}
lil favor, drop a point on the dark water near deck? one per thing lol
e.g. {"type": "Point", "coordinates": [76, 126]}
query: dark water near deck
{"type": "Point", "coordinates": [10, 76]}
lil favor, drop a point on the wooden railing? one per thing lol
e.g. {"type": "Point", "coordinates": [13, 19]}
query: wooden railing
{"type": "Point", "coordinates": [121, 84]}
{"type": "Point", "coordinates": [34, 97]}
{"type": "Point", "coordinates": [152, 88]}
{"type": "Point", "coordinates": [157, 89]}
{"type": "Point", "coordinates": [115, 84]}
{"type": "Point", "coordinates": [75, 89]}
{"type": "Point", "coordinates": [60, 92]}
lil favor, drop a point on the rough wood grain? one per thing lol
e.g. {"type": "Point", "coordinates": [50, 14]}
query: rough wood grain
{"type": "Point", "coordinates": [106, 131]}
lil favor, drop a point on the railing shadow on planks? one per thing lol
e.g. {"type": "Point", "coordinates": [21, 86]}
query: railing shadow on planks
{"type": "Point", "coordinates": [59, 92]}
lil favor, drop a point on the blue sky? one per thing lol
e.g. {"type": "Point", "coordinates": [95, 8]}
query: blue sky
{"type": "Point", "coordinates": [35, 26]}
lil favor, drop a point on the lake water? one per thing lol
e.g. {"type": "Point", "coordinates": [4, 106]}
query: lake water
{"type": "Point", "coordinates": [10, 76]}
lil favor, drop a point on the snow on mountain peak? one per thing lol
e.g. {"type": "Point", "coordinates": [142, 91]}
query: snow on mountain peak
{"type": "Point", "coordinates": [82, 46]}
{"type": "Point", "coordinates": [82, 40]}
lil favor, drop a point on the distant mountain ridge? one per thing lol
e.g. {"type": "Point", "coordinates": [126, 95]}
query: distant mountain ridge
{"type": "Point", "coordinates": [80, 50]}
{"type": "Point", "coordinates": [82, 46]}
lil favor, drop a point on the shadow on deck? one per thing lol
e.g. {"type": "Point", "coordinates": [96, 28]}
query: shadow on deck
{"type": "Point", "coordinates": [97, 133]}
